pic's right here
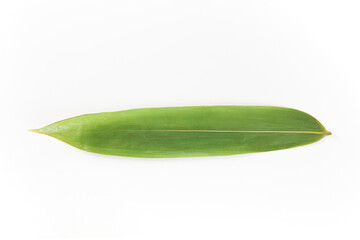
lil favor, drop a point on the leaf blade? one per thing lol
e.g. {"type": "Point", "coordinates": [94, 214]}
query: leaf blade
{"type": "Point", "coordinates": [189, 131]}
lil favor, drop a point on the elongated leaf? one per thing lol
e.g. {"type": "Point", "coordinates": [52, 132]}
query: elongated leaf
{"type": "Point", "coordinates": [188, 131]}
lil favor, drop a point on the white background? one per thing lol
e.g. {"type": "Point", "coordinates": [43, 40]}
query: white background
{"type": "Point", "coordinates": [65, 58]}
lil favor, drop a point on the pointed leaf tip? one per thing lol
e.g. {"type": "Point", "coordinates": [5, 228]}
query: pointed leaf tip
{"type": "Point", "coordinates": [36, 130]}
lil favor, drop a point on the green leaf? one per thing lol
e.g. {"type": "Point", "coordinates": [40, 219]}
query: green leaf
{"type": "Point", "coordinates": [188, 131]}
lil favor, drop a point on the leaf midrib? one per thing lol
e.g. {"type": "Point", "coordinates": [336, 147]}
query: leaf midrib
{"type": "Point", "coordinates": [226, 131]}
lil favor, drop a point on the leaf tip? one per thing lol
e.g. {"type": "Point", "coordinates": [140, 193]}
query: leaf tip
{"type": "Point", "coordinates": [37, 131]}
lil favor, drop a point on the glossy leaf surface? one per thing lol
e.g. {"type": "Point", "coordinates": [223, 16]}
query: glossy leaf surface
{"type": "Point", "coordinates": [188, 131]}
